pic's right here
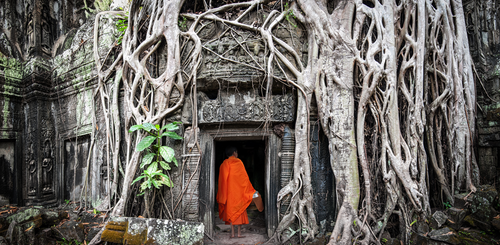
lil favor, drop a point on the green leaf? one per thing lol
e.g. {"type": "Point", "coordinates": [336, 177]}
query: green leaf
{"type": "Point", "coordinates": [167, 153]}
{"type": "Point", "coordinates": [172, 135]}
{"type": "Point", "coordinates": [165, 165]}
{"type": "Point", "coordinates": [147, 159]}
{"type": "Point", "coordinates": [166, 180]}
{"type": "Point", "coordinates": [175, 162]}
{"type": "Point", "coordinates": [157, 126]}
{"type": "Point", "coordinates": [135, 127]}
{"type": "Point", "coordinates": [149, 127]}
{"type": "Point", "coordinates": [145, 143]}
{"type": "Point", "coordinates": [171, 126]}
{"type": "Point", "coordinates": [155, 183]}
{"type": "Point", "coordinates": [144, 186]}
{"type": "Point", "coordinates": [138, 178]}
{"type": "Point", "coordinates": [152, 168]}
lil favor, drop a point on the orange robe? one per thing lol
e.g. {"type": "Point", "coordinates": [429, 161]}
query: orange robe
{"type": "Point", "coordinates": [235, 192]}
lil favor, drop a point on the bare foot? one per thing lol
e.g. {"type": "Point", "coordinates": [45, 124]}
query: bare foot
{"type": "Point", "coordinates": [236, 237]}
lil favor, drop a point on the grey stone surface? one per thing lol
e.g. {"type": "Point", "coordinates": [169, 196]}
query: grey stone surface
{"type": "Point", "coordinates": [155, 231]}
{"type": "Point", "coordinates": [438, 219]}
{"type": "Point", "coordinates": [444, 235]}
{"type": "Point", "coordinates": [455, 217]}
{"type": "Point", "coordinates": [70, 230]}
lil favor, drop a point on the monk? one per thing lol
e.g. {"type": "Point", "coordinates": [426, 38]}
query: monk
{"type": "Point", "coordinates": [235, 191]}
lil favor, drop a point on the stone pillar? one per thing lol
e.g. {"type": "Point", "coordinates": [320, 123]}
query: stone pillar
{"type": "Point", "coordinates": [39, 177]}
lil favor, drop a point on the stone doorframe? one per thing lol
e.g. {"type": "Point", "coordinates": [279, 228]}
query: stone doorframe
{"type": "Point", "coordinates": [207, 175]}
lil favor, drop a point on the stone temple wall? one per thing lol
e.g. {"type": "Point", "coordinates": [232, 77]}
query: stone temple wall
{"type": "Point", "coordinates": [48, 89]}
{"type": "Point", "coordinates": [47, 92]}
{"type": "Point", "coordinates": [483, 25]}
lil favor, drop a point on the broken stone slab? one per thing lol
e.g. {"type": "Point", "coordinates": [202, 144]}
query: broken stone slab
{"type": "Point", "coordinates": [481, 203]}
{"type": "Point", "coordinates": [50, 218]}
{"type": "Point", "coordinates": [496, 224]}
{"type": "Point", "coordinates": [69, 230]}
{"type": "Point", "coordinates": [30, 215]}
{"type": "Point", "coordinates": [476, 237]}
{"type": "Point", "coordinates": [445, 234]}
{"type": "Point", "coordinates": [130, 230]}
{"type": "Point", "coordinates": [474, 222]}
{"type": "Point", "coordinates": [455, 217]}
{"type": "Point", "coordinates": [438, 219]}
{"type": "Point", "coordinates": [422, 228]}
{"type": "Point", "coordinates": [393, 241]}
{"type": "Point", "coordinates": [460, 201]}
{"type": "Point", "coordinates": [420, 239]}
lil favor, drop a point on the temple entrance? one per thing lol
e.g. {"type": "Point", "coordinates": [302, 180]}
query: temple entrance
{"type": "Point", "coordinates": [259, 151]}
{"type": "Point", "coordinates": [253, 155]}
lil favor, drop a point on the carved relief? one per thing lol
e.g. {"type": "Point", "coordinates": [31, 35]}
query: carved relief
{"type": "Point", "coordinates": [226, 59]}
{"type": "Point", "coordinates": [282, 109]}
{"type": "Point", "coordinates": [47, 151]}
{"type": "Point", "coordinates": [47, 166]}
{"type": "Point", "coordinates": [32, 168]}
{"type": "Point", "coordinates": [30, 31]}
{"type": "Point", "coordinates": [47, 23]}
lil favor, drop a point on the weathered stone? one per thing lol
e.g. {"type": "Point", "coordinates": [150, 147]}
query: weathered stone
{"type": "Point", "coordinates": [474, 222]}
{"type": "Point", "coordinates": [70, 230]}
{"type": "Point", "coordinates": [445, 234]}
{"type": "Point", "coordinates": [496, 224]}
{"type": "Point", "coordinates": [455, 217]}
{"type": "Point", "coordinates": [438, 219]}
{"type": "Point", "coordinates": [50, 218]}
{"type": "Point", "coordinates": [92, 232]}
{"type": "Point", "coordinates": [481, 203]}
{"type": "Point", "coordinates": [474, 237]}
{"type": "Point", "coordinates": [459, 201]}
{"type": "Point", "coordinates": [392, 241]}
{"type": "Point", "coordinates": [114, 232]}
{"type": "Point", "coordinates": [416, 238]}
{"type": "Point", "coordinates": [152, 231]}
{"type": "Point", "coordinates": [28, 215]}
{"type": "Point", "coordinates": [422, 228]}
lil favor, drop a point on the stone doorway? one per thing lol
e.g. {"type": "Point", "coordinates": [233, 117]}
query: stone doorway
{"type": "Point", "coordinates": [262, 167]}
{"type": "Point", "coordinates": [253, 155]}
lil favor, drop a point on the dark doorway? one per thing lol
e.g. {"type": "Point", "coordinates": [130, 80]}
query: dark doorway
{"type": "Point", "coordinates": [253, 155]}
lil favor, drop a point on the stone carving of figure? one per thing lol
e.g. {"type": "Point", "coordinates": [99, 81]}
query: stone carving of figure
{"type": "Point", "coordinates": [32, 171]}
{"type": "Point", "coordinates": [30, 33]}
{"type": "Point", "coordinates": [47, 166]}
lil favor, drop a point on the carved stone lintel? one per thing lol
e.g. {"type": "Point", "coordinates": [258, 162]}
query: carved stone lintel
{"type": "Point", "coordinates": [280, 109]}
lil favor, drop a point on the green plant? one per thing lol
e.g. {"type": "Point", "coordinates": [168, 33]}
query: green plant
{"type": "Point", "coordinates": [69, 242]}
{"type": "Point", "coordinates": [157, 154]}
{"type": "Point", "coordinates": [121, 26]}
{"type": "Point", "coordinates": [96, 211]}
{"type": "Point", "coordinates": [102, 5]}
{"type": "Point", "coordinates": [384, 240]}
{"type": "Point", "coordinates": [412, 223]}
{"type": "Point", "coordinates": [183, 23]}
{"type": "Point", "coordinates": [290, 15]}
{"type": "Point", "coordinates": [447, 205]}
{"type": "Point", "coordinates": [67, 201]}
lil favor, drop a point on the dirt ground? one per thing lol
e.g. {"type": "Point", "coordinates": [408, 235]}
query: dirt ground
{"type": "Point", "coordinates": [254, 232]}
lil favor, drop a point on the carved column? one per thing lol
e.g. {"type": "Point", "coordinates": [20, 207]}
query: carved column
{"type": "Point", "coordinates": [286, 154]}
{"type": "Point", "coordinates": [190, 177]}
{"type": "Point", "coordinates": [40, 181]}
